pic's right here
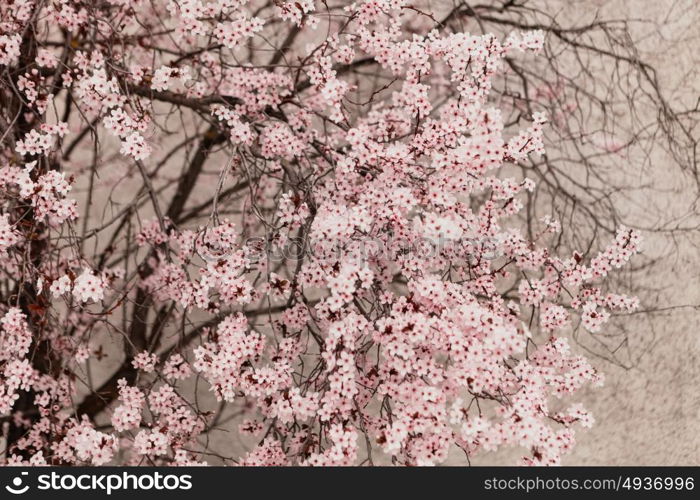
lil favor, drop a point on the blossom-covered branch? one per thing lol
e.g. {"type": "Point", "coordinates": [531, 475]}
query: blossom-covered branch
{"type": "Point", "coordinates": [297, 221]}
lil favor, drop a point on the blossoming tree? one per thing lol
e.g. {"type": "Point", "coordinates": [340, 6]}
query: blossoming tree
{"type": "Point", "coordinates": [298, 220]}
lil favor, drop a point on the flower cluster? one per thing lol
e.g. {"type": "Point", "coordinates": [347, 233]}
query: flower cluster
{"type": "Point", "coordinates": [17, 373]}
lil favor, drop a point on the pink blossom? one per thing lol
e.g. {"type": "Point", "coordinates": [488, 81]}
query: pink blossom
{"type": "Point", "coordinates": [88, 287]}
{"type": "Point", "coordinates": [145, 361]}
